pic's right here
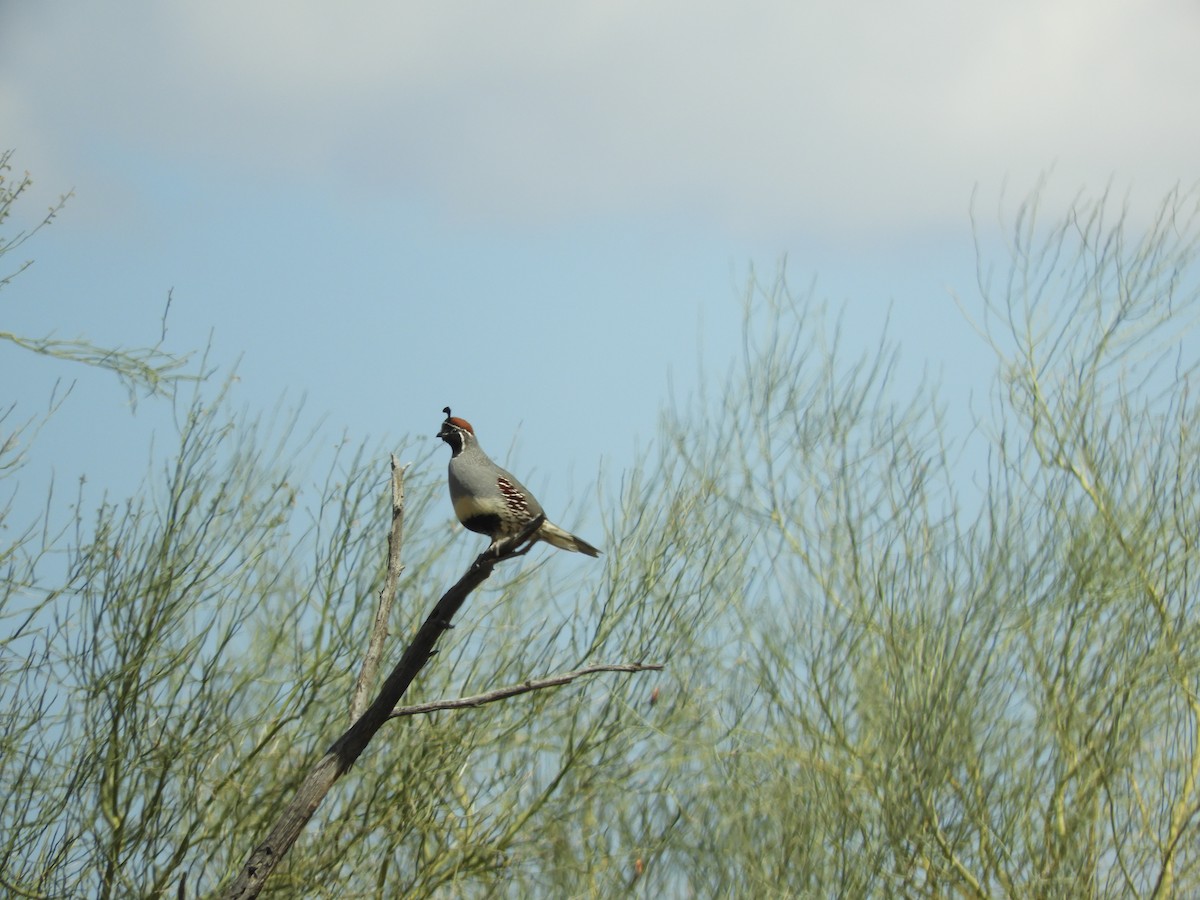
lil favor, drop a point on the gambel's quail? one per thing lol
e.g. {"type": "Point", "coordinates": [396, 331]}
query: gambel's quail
{"type": "Point", "coordinates": [488, 499]}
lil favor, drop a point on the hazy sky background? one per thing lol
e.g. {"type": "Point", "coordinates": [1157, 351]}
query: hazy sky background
{"type": "Point", "coordinates": [534, 212]}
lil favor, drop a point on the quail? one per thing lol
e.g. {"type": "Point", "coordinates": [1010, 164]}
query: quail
{"type": "Point", "coordinates": [489, 500]}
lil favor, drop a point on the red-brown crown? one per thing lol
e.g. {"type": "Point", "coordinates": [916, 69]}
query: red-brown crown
{"type": "Point", "coordinates": [457, 422]}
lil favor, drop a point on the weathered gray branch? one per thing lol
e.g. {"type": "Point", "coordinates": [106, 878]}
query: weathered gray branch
{"type": "Point", "coordinates": [387, 595]}
{"type": "Point", "coordinates": [346, 749]}
{"type": "Point", "coordinates": [533, 684]}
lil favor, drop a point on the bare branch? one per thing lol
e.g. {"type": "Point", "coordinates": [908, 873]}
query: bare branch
{"type": "Point", "coordinates": [533, 684]}
{"type": "Point", "coordinates": [387, 596]}
{"type": "Point", "coordinates": [346, 749]}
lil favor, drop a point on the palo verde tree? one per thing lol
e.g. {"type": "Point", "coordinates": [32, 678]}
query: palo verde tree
{"type": "Point", "coordinates": [900, 659]}
{"type": "Point", "coordinates": [963, 685]}
{"type": "Point", "coordinates": [177, 662]}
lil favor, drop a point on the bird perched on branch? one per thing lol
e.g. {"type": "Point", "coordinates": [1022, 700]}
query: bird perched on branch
{"type": "Point", "coordinates": [489, 500]}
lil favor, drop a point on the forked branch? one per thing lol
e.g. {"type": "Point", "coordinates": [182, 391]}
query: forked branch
{"type": "Point", "coordinates": [347, 748]}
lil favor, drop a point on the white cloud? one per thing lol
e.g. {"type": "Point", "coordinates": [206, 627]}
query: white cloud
{"type": "Point", "coordinates": [757, 115]}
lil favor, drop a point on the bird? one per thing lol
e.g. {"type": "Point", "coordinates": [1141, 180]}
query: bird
{"type": "Point", "coordinates": [489, 500]}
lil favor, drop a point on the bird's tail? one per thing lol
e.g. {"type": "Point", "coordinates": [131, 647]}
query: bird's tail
{"type": "Point", "coordinates": [552, 534]}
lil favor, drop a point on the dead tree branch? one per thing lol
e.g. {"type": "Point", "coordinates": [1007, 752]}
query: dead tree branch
{"type": "Point", "coordinates": [534, 684]}
{"type": "Point", "coordinates": [387, 595]}
{"type": "Point", "coordinates": [346, 749]}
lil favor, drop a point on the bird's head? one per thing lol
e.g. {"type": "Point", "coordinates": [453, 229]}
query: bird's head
{"type": "Point", "coordinates": [456, 432]}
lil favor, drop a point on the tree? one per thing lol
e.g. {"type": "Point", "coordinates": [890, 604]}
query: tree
{"type": "Point", "coordinates": [148, 370]}
{"type": "Point", "coordinates": [901, 659]}
{"type": "Point", "coordinates": [948, 697]}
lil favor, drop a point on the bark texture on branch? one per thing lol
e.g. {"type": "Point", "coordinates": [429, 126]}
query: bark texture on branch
{"type": "Point", "coordinates": [387, 596]}
{"type": "Point", "coordinates": [533, 684]}
{"type": "Point", "coordinates": [346, 749]}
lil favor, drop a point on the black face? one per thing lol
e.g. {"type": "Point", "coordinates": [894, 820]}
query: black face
{"type": "Point", "coordinates": [453, 436]}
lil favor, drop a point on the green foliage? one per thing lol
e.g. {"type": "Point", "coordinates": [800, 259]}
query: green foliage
{"type": "Point", "coordinates": [900, 661]}
{"type": "Point", "coordinates": [148, 369]}
{"type": "Point", "coordinates": [984, 697]}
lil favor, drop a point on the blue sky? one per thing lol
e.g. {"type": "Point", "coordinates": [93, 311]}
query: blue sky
{"type": "Point", "coordinates": [536, 212]}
